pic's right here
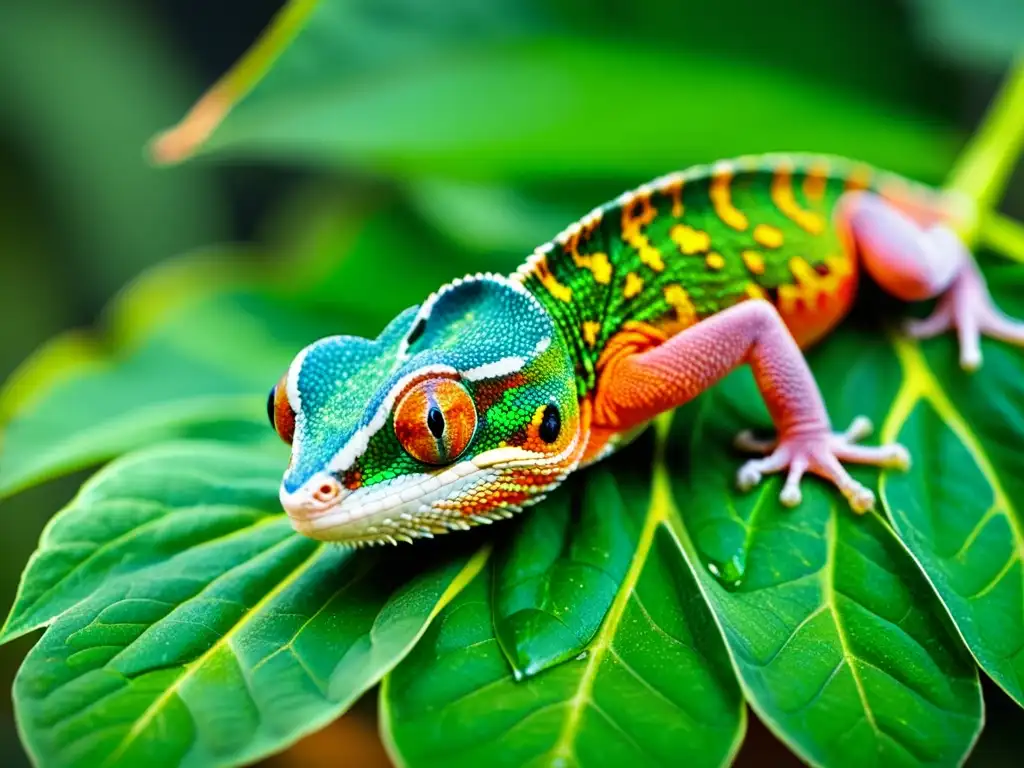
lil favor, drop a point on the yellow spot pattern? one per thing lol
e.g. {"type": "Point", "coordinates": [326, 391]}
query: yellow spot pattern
{"type": "Point", "coordinates": [714, 260]}
{"type": "Point", "coordinates": [637, 213]}
{"type": "Point", "coordinates": [811, 286]}
{"type": "Point", "coordinates": [782, 196]}
{"type": "Point", "coordinates": [590, 331]}
{"type": "Point", "coordinates": [754, 262]}
{"type": "Point", "coordinates": [721, 199]}
{"type": "Point", "coordinates": [549, 281]}
{"type": "Point", "coordinates": [597, 263]}
{"type": "Point", "coordinates": [768, 236]}
{"type": "Point", "coordinates": [674, 190]}
{"type": "Point", "coordinates": [755, 291]}
{"type": "Point", "coordinates": [677, 298]}
{"type": "Point", "coordinates": [816, 180]}
{"type": "Point", "coordinates": [690, 240]}
{"type": "Point", "coordinates": [634, 284]}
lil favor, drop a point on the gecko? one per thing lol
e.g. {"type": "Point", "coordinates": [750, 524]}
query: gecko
{"type": "Point", "coordinates": [482, 399]}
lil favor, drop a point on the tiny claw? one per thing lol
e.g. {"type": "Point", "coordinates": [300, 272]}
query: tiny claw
{"type": "Point", "coordinates": [859, 428]}
{"type": "Point", "coordinates": [747, 477]}
{"type": "Point", "coordinates": [900, 458]}
{"type": "Point", "coordinates": [791, 496]}
{"type": "Point", "coordinates": [970, 360]}
{"type": "Point", "coordinates": [861, 499]}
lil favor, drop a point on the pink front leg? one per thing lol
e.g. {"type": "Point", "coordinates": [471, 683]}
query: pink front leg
{"type": "Point", "coordinates": [637, 387]}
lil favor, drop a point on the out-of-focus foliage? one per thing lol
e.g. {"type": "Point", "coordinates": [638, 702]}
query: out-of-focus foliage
{"type": "Point", "coordinates": [80, 116]}
{"type": "Point", "coordinates": [632, 616]}
{"type": "Point", "coordinates": [984, 34]}
{"type": "Point", "coordinates": [527, 90]}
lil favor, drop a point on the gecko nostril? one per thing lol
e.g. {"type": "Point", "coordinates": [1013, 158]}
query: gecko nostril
{"type": "Point", "coordinates": [327, 492]}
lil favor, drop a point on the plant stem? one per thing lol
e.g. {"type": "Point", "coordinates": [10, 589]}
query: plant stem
{"type": "Point", "coordinates": [984, 167]}
{"type": "Point", "coordinates": [1003, 235]}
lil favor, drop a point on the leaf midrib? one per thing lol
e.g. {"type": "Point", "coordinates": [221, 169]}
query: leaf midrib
{"type": "Point", "coordinates": [921, 384]}
{"type": "Point", "coordinates": [601, 645]}
{"type": "Point", "coordinates": [828, 597]}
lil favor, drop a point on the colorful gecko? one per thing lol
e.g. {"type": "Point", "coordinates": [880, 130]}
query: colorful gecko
{"type": "Point", "coordinates": [485, 397]}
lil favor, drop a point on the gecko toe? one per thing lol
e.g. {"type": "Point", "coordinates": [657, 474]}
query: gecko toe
{"type": "Point", "coordinates": [861, 499]}
{"type": "Point", "coordinates": [791, 496]}
{"type": "Point", "coordinates": [747, 477]}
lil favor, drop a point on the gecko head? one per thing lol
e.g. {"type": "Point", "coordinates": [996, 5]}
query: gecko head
{"type": "Point", "coordinates": [462, 411]}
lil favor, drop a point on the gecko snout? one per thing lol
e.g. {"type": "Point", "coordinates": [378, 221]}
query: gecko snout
{"type": "Point", "coordinates": [318, 494]}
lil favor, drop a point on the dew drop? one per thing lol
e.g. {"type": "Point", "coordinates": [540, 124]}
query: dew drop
{"type": "Point", "coordinates": [730, 572]}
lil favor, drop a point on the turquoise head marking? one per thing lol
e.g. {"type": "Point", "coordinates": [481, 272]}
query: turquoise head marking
{"type": "Point", "coordinates": [462, 411]}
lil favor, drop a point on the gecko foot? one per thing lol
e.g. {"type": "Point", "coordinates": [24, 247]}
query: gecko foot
{"type": "Point", "coordinates": [968, 307]}
{"type": "Point", "coordinates": [822, 453]}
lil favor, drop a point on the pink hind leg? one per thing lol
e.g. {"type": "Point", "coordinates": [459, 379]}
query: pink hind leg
{"type": "Point", "coordinates": [635, 388]}
{"type": "Point", "coordinates": [913, 263]}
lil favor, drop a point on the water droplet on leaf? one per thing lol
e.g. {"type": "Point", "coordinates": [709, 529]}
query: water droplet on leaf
{"type": "Point", "coordinates": [729, 573]}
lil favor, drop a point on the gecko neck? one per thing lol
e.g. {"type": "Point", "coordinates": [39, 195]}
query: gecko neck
{"type": "Point", "coordinates": [576, 308]}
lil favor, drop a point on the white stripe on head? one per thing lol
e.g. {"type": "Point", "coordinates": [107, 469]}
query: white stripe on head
{"type": "Point", "coordinates": [291, 389]}
{"type": "Point", "coordinates": [502, 367]}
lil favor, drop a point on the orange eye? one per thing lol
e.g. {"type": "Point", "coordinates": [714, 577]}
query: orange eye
{"type": "Point", "coordinates": [435, 421]}
{"type": "Point", "coordinates": [282, 417]}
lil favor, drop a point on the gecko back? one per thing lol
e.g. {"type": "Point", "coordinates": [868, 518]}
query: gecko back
{"type": "Point", "coordinates": [693, 243]}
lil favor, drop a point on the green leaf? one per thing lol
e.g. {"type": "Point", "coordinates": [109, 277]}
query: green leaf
{"type": "Point", "coordinates": [543, 127]}
{"type": "Point", "coordinates": [233, 639]}
{"type": "Point", "coordinates": [138, 515]}
{"type": "Point", "coordinates": [654, 686]}
{"type": "Point", "coordinates": [556, 577]}
{"type": "Point", "coordinates": [961, 513]}
{"type": "Point", "coordinates": [490, 218]}
{"type": "Point", "coordinates": [553, 66]}
{"type": "Point", "coordinates": [841, 646]}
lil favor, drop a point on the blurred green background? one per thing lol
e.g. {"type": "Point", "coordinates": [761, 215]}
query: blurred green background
{"type": "Point", "coordinates": [83, 88]}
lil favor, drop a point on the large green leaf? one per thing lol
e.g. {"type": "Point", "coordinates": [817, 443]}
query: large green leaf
{"type": "Point", "coordinates": [138, 515]}
{"type": "Point", "coordinates": [653, 687]}
{"type": "Point", "coordinates": [543, 124]}
{"type": "Point", "coordinates": [512, 91]}
{"type": "Point", "coordinates": [842, 648]}
{"type": "Point", "coordinates": [840, 643]}
{"type": "Point", "coordinates": [961, 514]}
{"type": "Point", "coordinates": [194, 627]}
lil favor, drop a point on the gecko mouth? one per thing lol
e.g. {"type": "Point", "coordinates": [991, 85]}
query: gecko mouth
{"type": "Point", "coordinates": [413, 506]}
